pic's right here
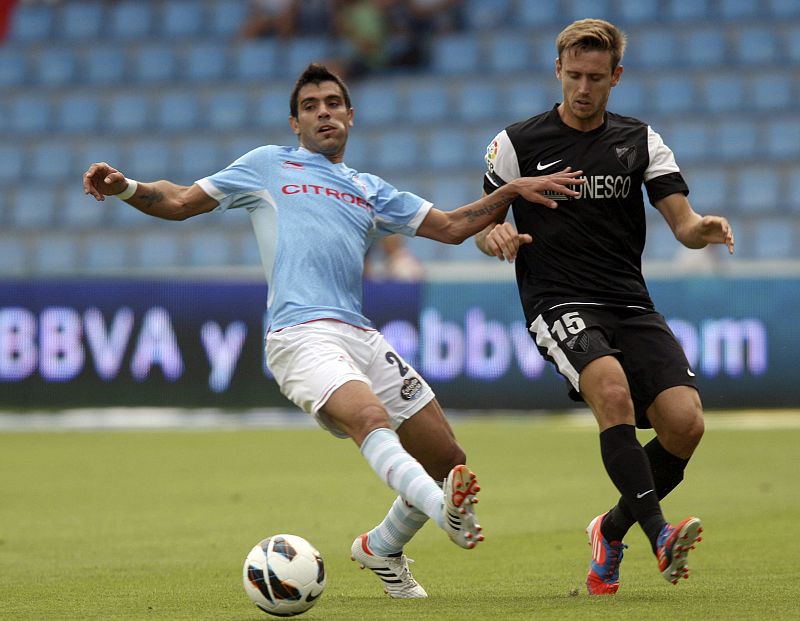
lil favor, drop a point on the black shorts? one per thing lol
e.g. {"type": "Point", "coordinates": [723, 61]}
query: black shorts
{"type": "Point", "coordinates": [572, 335]}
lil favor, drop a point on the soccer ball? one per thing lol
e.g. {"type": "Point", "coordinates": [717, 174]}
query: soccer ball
{"type": "Point", "coordinates": [284, 575]}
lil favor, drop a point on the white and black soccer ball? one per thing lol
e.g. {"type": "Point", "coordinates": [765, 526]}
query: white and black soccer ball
{"type": "Point", "coordinates": [284, 575]}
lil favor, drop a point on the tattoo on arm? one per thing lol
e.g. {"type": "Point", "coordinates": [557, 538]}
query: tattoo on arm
{"type": "Point", "coordinates": [150, 198]}
{"type": "Point", "coordinates": [474, 214]}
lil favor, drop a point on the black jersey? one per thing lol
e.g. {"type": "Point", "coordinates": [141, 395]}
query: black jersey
{"type": "Point", "coordinates": [589, 249]}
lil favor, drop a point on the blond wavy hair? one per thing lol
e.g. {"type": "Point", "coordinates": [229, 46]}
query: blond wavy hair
{"type": "Point", "coordinates": [593, 34]}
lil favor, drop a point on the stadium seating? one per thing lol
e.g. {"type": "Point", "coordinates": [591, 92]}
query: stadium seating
{"type": "Point", "coordinates": [164, 89]}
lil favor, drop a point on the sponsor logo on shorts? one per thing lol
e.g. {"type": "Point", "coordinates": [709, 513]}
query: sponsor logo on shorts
{"type": "Point", "coordinates": [411, 388]}
{"type": "Point", "coordinates": [578, 343]}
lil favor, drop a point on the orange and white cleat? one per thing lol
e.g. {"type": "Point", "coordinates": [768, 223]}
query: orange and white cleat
{"type": "Point", "coordinates": [460, 489]}
{"type": "Point", "coordinates": [673, 546]}
{"type": "Point", "coordinates": [603, 577]}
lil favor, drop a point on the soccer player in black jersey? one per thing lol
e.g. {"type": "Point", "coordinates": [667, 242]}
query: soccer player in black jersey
{"type": "Point", "coordinates": [578, 266]}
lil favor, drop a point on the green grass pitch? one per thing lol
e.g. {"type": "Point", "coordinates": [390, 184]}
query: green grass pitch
{"type": "Point", "coordinates": [156, 524]}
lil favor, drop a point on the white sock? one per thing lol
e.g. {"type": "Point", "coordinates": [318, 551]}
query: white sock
{"type": "Point", "coordinates": [398, 527]}
{"type": "Point", "coordinates": [404, 474]}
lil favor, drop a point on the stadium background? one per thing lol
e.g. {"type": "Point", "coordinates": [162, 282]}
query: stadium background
{"type": "Point", "coordinates": [102, 306]}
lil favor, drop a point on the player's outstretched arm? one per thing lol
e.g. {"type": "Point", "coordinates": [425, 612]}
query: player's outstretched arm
{"type": "Point", "coordinates": [692, 229]}
{"type": "Point", "coordinates": [453, 227]}
{"type": "Point", "coordinates": [162, 199]}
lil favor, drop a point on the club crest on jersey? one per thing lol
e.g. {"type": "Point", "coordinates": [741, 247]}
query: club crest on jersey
{"type": "Point", "coordinates": [578, 343]}
{"type": "Point", "coordinates": [626, 155]}
{"type": "Point", "coordinates": [411, 388]}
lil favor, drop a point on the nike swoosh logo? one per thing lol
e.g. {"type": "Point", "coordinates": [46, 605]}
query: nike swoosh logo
{"type": "Point", "coordinates": [643, 494]}
{"type": "Point", "coordinates": [541, 166]}
{"type": "Point", "coordinates": [689, 371]}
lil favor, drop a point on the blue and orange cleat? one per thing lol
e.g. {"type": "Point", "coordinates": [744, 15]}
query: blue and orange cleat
{"type": "Point", "coordinates": [603, 578]}
{"type": "Point", "coordinates": [673, 546]}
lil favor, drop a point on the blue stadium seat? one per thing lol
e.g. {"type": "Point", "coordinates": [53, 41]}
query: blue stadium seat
{"type": "Point", "coordinates": [756, 189]}
{"type": "Point", "coordinates": [56, 66]}
{"type": "Point", "coordinates": [56, 253]}
{"type": "Point", "coordinates": [510, 52]}
{"type": "Point", "coordinates": [226, 18]}
{"type": "Point", "coordinates": [791, 197]}
{"type": "Point", "coordinates": [205, 61]}
{"type": "Point", "coordinates": [630, 96]}
{"type": "Point", "coordinates": [157, 249]}
{"type": "Point", "coordinates": [653, 47]}
{"type": "Point", "coordinates": [298, 53]}
{"type": "Point", "coordinates": [209, 249]}
{"type": "Point", "coordinates": [52, 161]}
{"type": "Point", "coordinates": [455, 54]}
{"type": "Point", "coordinates": [154, 63]}
{"type": "Point", "coordinates": [672, 94]}
{"type": "Point", "coordinates": [538, 14]}
{"type": "Point", "coordinates": [246, 248]}
{"type": "Point", "coordinates": [581, 9]}
{"type": "Point", "coordinates": [11, 163]}
{"type": "Point", "coordinates": [486, 14]}
{"type": "Point", "coordinates": [78, 211]}
{"type": "Point", "coordinates": [256, 60]}
{"type": "Point", "coordinates": [105, 65]}
{"type": "Point", "coordinates": [705, 46]}
{"type": "Point", "coordinates": [690, 141]}
{"type": "Point", "coordinates": [128, 112]}
{"type": "Point", "coordinates": [99, 150]}
{"type": "Point", "coordinates": [271, 109]}
{"type": "Point", "coordinates": [523, 99]}
{"type": "Point", "coordinates": [131, 20]}
{"type": "Point", "coordinates": [452, 191]}
{"type": "Point", "coordinates": [82, 20]}
{"type": "Point", "coordinates": [783, 138]}
{"type": "Point", "coordinates": [107, 251]}
{"type": "Point", "coordinates": [199, 157]}
{"type": "Point", "coordinates": [150, 158]}
{"type": "Point", "coordinates": [792, 37]}
{"type": "Point", "coordinates": [396, 150]}
{"type": "Point", "coordinates": [709, 191]}
{"type": "Point", "coordinates": [13, 67]}
{"type": "Point", "coordinates": [78, 113]}
{"type": "Point", "coordinates": [776, 238]}
{"type": "Point", "coordinates": [29, 114]}
{"type": "Point", "coordinates": [784, 8]}
{"type": "Point", "coordinates": [427, 102]}
{"type": "Point", "coordinates": [478, 102]}
{"type": "Point", "coordinates": [687, 10]}
{"type": "Point", "coordinates": [374, 103]}
{"type": "Point", "coordinates": [756, 45]}
{"type": "Point", "coordinates": [13, 253]}
{"type": "Point", "coordinates": [183, 18]}
{"type": "Point", "coordinates": [31, 23]}
{"type": "Point", "coordinates": [739, 9]}
{"type": "Point", "coordinates": [722, 93]}
{"type": "Point", "coordinates": [446, 149]}
{"type": "Point", "coordinates": [178, 110]}
{"type": "Point", "coordinates": [773, 90]}
{"type": "Point", "coordinates": [736, 140]}
{"type": "Point", "coordinates": [227, 110]}
{"type": "Point", "coordinates": [660, 244]}
{"type": "Point", "coordinates": [636, 11]}
{"type": "Point", "coordinates": [358, 155]}
{"type": "Point", "coordinates": [34, 208]}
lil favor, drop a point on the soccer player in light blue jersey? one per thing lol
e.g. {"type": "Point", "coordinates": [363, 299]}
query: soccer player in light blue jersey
{"type": "Point", "coordinates": [314, 218]}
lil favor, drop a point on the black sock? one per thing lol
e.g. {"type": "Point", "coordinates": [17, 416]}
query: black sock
{"type": "Point", "coordinates": [667, 472]}
{"type": "Point", "coordinates": [629, 468]}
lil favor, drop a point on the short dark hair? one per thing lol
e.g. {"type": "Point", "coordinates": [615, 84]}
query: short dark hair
{"type": "Point", "coordinates": [316, 74]}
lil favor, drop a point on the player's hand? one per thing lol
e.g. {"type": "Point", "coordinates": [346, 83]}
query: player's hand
{"type": "Point", "coordinates": [715, 230]}
{"type": "Point", "coordinates": [532, 189]}
{"type": "Point", "coordinates": [101, 180]}
{"type": "Point", "coordinates": [503, 241]}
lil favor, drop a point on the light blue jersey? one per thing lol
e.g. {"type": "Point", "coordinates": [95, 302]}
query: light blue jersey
{"type": "Point", "coordinates": [314, 221]}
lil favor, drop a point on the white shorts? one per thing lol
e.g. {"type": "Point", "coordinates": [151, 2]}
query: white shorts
{"type": "Point", "coordinates": [311, 360]}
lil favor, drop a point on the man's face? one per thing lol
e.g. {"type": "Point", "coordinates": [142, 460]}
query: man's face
{"type": "Point", "coordinates": [323, 119]}
{"type": "Point", "coordinates": [586, 82]}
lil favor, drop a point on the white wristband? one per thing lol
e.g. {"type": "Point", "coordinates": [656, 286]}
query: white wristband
{"type": "Point", "coordinates": [128, 191]}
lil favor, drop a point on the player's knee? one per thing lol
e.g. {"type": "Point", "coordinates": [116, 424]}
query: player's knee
{"type": "Point", "coordinates": [369, 418]}
{"type": "Point", "coordinates": [612, 404]}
